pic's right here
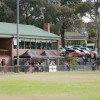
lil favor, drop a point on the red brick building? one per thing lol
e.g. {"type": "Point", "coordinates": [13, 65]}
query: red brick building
{"type": "Point", "coordinates": [30, 38]}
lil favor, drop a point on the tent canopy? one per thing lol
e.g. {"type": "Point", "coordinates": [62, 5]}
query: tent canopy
{"type": "Point", "coordinates": [35, 54]}
{"type": "Point", "coordinates": [49, 54]}
{"type": "Point", "coordinates": [30, 54]}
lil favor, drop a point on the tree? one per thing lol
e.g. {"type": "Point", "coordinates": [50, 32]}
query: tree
{"type": "Point", "coordinates": [7, 13]}
{"type": "Point", "coordinates": [91, 29]}
{"type": "Point", "coordinates": [30, 10]}
{"type": "Point", "coordinates": [93, 13]}
{"type": "Point", "coordinates": [68, 16]}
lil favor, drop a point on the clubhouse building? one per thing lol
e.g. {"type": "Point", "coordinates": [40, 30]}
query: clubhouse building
{"type": "Point", "coordinates": [31, 39]}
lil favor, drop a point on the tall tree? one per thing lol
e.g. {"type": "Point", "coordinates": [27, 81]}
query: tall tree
{"type": "Point", "coordinates": [93, 12]}
{"type": "Point", "coordinates": [7, 11]}
{"type": "Point", "coordinates": [30, 10]}
{"type": "Point", "coordinates": [68, 16]}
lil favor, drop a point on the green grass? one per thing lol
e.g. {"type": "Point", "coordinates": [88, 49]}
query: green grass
{"type": "Point", "coordinates": [89, 90]}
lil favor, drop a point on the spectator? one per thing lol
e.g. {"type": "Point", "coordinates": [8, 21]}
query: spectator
{"type": "Point", "coordinates": [97, 64]}
{"type": "Point", "coordinates": [26, 66]}
{"type": "Point", "coordinates": [69, 66]}
{"type": "Point", "coordinates": [98, 57]}
{"type": "Point", "coordinates": [66, 64]}
{"type": "Point", "coordinates": [42, 65]}
{"type": "Point", "coordinates": [47, 66]}
{"type": "Point", "coordinates": [83, 59]}
{"type": "Point", "coordinates": [53, 63]}
{"type": "Point", "coordinates": [50, 63]}
{"type": "Point", "coordinates": [37, 67]}
{"type": "Point", "coordinates": [93, 66]}
{"type": "Point", "coordinates": [3, 63]}
{"type": "Point", "coordinates": [30, 69]}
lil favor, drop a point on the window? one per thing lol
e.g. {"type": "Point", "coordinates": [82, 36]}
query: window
{"type": "Point", "coordinates": [44, 44]}
{"type": "Point", "coordinates": [15, 43]}
{"type": "Point", "coordinates": [33, 43]}
{"type": "Point", "coordinates": [27, 44]}
{"type": "Point", "coordinates": [21, 43]}
{"type": "Point", "coordinates": [54, 45]}
{"type": "Point", "coordinates": [49, 44]}
{"type": "Point", "coordinates": [38, 44]}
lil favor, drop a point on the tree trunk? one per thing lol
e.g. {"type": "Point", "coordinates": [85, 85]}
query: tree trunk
{"type": "Point", "coordinates": [26, 18]}
{"type": "Point", "coordinates": [97, 18]}
{"type": "Point", "coordinates": [63, 36]}
{"type": "Point", "coordinates": [98, 26]}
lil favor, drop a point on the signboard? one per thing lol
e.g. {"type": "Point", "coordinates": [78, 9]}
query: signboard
{"type": "Point", "coordinates": [52, 68]}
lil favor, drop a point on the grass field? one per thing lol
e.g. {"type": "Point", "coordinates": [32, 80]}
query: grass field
{"type": "Point", "coordinates": [50, 86]}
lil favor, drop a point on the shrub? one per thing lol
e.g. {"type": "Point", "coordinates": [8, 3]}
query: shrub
{"type": "Point", "coordinates": [72, 60]}
{"type": "Point", "coordinates": [68, 59]}
{"type": "Point", "coordinates": [90, 41]}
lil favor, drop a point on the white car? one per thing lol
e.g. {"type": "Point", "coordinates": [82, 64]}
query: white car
{"type": "Point", "coordinates": [76, 46]}
{"type": "Point", "coordinates": [62, 50]}
{"type": "Point", "coordinates": [85, 51]}
{"type": "Point", "coordinates": [84, 48]}
{"type": "Point", "coordinates": [94, 52]}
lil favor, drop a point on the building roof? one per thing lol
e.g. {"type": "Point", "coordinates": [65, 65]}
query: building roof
{"type": "Point", "coordinates": [30, 54]}
{"type": "Point", "coordinates": [49, 54]}
{"type": "Point", "coordinates": [74, 36]}
{"type": "Point", "coordinates": [25, 31]}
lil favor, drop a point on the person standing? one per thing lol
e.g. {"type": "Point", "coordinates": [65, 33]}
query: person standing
{"type": "Point", "coordinates": [66, 64]}
{"type": "Point", "coordinates": [42, 65]}
{"type": "Point", "coordinates": [3, 62]}
{"type": "Point", "coordinates": [93, 66]}
{"type": "Point", "coordinates": [69, 66]}
{"type": "Point", "coordinates": [37, 67]}
{"type": "Point", "coordinates": [83, 59]}
{"type": "Point", "coordinates": [26, 66]}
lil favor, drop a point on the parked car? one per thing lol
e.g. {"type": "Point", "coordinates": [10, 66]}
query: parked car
{"type": "Point", "coordinates": [94, 52]}
{"type": "Point", "coordinates": [76, 46]}
{"type": "Point", "coordinates": [62, 50]}
{"type": "Point", "coordinates": [85, 52]}
{"type": "Point", "coordinates": [67, 48]}
{"type": "Point", "coordinates": [84, 48]}
{"type": "Point", "coordinates": [73, 53]}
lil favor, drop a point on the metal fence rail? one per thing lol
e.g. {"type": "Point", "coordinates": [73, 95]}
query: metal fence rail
{"type": "Point", "coordinates": [74, 68]}
{"type": "Point", "coordinates": [16, 69]}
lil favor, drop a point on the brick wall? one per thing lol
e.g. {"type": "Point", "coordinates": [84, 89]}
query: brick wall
{"type": "Point", "coordinates": [6, 43]}
{"type": "Point", "coordinates": [47, 27]}
{"type": "Point", "coordinates": [7, 60]}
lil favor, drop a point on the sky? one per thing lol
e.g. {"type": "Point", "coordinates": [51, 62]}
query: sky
{"type": "Point", "coordinates": [86, 19]}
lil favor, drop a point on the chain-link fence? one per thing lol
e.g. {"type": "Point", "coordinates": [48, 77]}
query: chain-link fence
{"type": "Point", "coordinates": [17, 69]}
{"type": "Point", "coordinates": [74, 68]}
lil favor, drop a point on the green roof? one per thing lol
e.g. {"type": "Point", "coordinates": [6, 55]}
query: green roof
{"type": "Point", "coordinates": [25, 31]}
{"type": "Point", "coordinates": [73, 34]}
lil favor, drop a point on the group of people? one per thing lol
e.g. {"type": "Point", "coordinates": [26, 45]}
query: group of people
{"type": "Point", "coordinates": [37, 67]}
{"type": "Point", "coordinates": [93, 59]}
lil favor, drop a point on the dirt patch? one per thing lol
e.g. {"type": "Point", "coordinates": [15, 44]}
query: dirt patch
{"type": "Point", "coordinates": [41, 97]}
{"type": "Point", "coordinates": [59, 77]}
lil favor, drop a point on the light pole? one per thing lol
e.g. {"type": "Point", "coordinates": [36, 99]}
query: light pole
{"type": "Point", "coordinates": [18, 34]}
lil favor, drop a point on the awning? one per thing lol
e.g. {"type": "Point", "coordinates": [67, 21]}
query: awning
{"type": "Point", "coordinates": [30, 54]}
{"type": "Point", "coordinates": [50, 54]}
